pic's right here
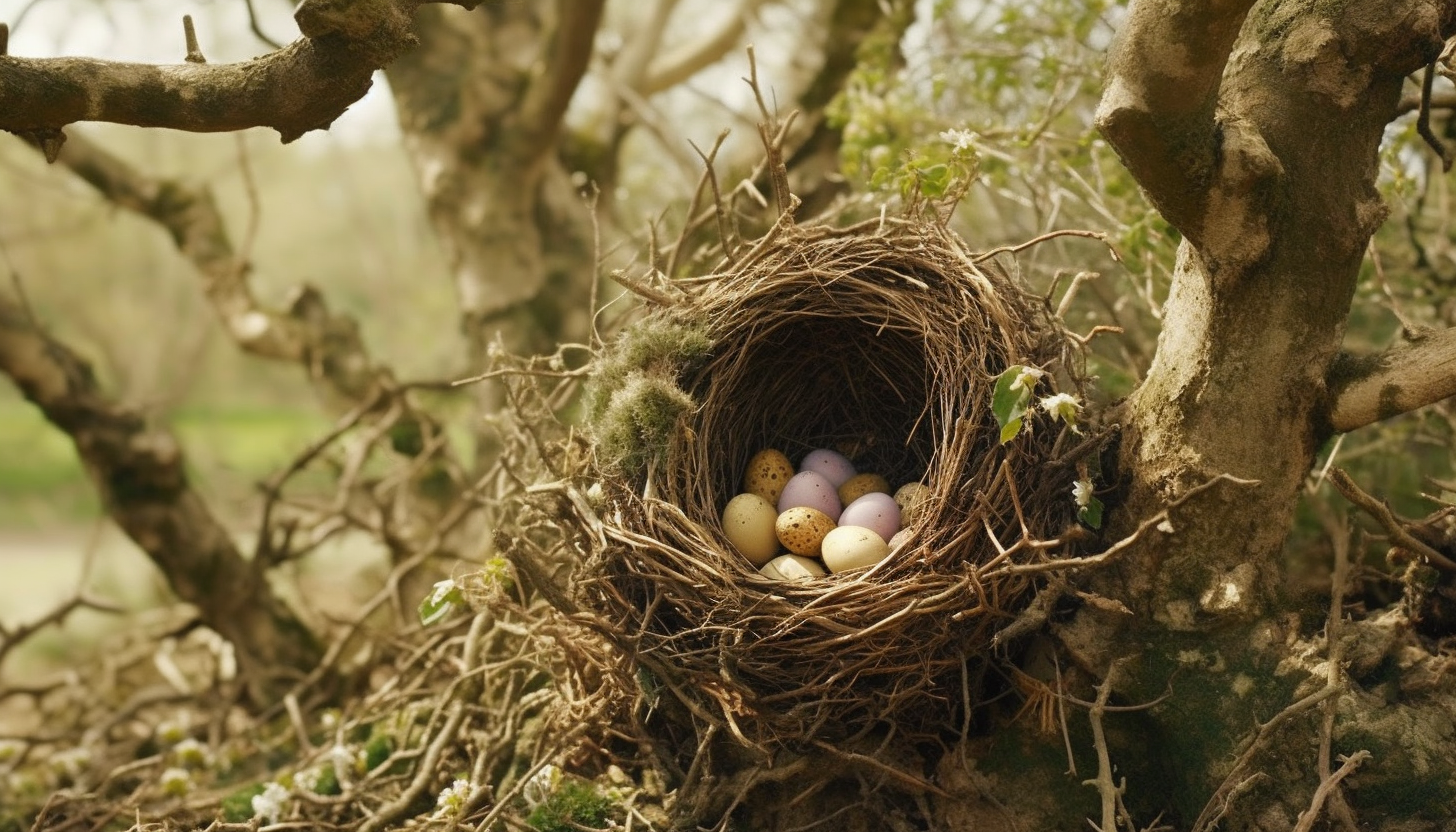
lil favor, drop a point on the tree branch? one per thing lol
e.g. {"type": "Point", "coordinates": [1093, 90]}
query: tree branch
{"type": "Point", "coordinates": [303, 86]}
{"type": "Point", "coordinates": [1158, 108]}
{"type": "Point", "coordinates": [141, 476]}
{"type": "Point", "coordinates": [691, 58]}
{"type": "Point", "coordinates": [567, 58]}
{"type": "Point", "coordinates": [1368, 389]}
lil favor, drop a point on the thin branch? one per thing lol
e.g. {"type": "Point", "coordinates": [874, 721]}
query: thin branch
{"type": "Point", "coordinates": [691, 58]}
{"type": "Point", "coordinates": [1423, 120]}
{"type": "Point", "coordinates": [567, 58]}
{"type": "Point", "coordinates": [1399, 534]}
{"type": "Point", "coordinates": [1327, 786]}
{"type": "Point", "coordinates": [1369, 389]}
{"type": "Point", "coordinates": [257, 28]}
{"type": "Point", "coordinates": [1106, 788]}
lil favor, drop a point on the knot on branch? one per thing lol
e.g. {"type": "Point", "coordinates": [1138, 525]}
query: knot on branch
{"type": "Point", "coordinates": [1235, 232]}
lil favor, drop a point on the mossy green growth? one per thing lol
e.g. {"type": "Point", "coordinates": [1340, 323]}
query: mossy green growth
{"type": "Point", "coordinates": [238, 806]}
{"type": "Point", "coordinates": [570, 807]}
{"type": "Point", "coordinates": [635, 400]}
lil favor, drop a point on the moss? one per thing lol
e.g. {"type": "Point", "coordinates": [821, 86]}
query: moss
{"type": "Point", "coordinates": [569, 808]}
{"type": "Point", "coordinates": [238, 806]}
{"type": "Point", "coordinates": [639, 420]}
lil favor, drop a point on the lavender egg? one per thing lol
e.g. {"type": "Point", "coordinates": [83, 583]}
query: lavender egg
{"type": "Point", "coordinates": [810, 490]}
{"type": "Point", "coordinates": [875, 511]}
{"type": "Point", "coordinates": [834, 466]}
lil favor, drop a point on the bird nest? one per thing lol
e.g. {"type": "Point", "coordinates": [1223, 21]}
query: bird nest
{"type": "Point", "coordinates": [884, 341]}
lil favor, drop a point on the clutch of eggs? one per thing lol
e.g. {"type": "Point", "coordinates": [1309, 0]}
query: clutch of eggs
{"type": "Point", "coordinates": [825, 513]}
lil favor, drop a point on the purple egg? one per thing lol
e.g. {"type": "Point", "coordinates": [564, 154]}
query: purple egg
{"type": "Point", "coordinates": [874, 511]}
{"type": "Point", "coordinates": [834, 467]}
{"type": "Point", "coordinates": [807, 488]}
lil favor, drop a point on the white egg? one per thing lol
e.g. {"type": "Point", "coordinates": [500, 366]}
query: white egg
{"type": "Point", "coordinates": [792, 568]}
{"type": "Point", "coordinates": [748, 522]}
{"type": "Point", "coordinates": [853, 547]}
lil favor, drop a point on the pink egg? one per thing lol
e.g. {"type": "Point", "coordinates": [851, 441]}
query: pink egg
{"type": "Point", "coordinates": [810, 490]}
{"type": "Point", "coordinates": [835, 467]}
{"type": "Point", "coordinates": [874, 511]}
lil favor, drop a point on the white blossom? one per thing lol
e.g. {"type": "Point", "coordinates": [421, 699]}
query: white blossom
{"type": "Point", "coordinates": [1062, 407]}
{"type": "Point", "coordinates": [451, 802]}
{"type": "Point", "coordinates": [1082, 493]}
{"type": "Point", "coordinates": [306, 779]}
{"type": "Point", "coordinates": [176, 781]}
{"type": "Point", "coordinates": [268, 806]}
{"type": "Point", "coordinates": [1027, 378]}
{"type": "Point", "coordinates": [192, 754]}
{"type": "Point", "coordinates": [172, 731]}
{"type": "Point", "coordinates": [541, 785]}
{"type": "Point", "coordinates": [442, 590]}
{"type": "Point", "coordinates": [959, 140]}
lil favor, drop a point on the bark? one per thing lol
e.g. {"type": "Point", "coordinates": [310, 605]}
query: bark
{"type": "Point", "coordinates": [141, 475]}
{"type": "Point", "coordinates": [1254, 128]}
{"type": "Point", "coordinates": [481, 104]}
{"type": "Point", "coordinates": [302, 87]}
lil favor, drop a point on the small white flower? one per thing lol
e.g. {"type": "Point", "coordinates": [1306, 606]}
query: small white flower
{"type": "Point", "coordinates": [190, 753]}
{"type": "Point", "coordinates": [306, 780]}
{"type": "Point", "coordinates": [959, 140]}
{"type": "Point", "coordinates": [268, 806]}
{"type": "Point", "coordinates": [541, 785]}
{"type": "Point", "coordinates": [347, 760]}
{"type": "Point", "coordinates": [329, 720]}
{"type": "Point", "coordinates": [1082, 493]}
{"type": "Point", "coordinates": [176, 782]}
{"type": "Point", "coordinates": [452, 800]}
{"type": "Point", "coordinates": [172, 731]}
{"type": "Point", "coordinates": [442, 589]}
{"type": "Point", "coordinates": [1027, 378]}
{"type": "Point", "coordinates": [72, 761]}
{"type": "Point", "coordinates": [1062, 407]}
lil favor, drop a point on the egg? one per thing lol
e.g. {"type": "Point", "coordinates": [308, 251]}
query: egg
{"type": "Point", "coordinates": [767, 474]}
{"type": "Point", "coordinates": [861, 484]}
{"type": "Point", "coordinates": [801, 529]}
{"type": "Point", "coordinates": [900, 538]}
{"type": "Point", "coordinates": [748, 522]}
{"type": "Point", "coordinates": [810, 490]}
{"type": "Point", "coordinates": [875, 511]}
{"type": "Point", "coordinates": [833, 465]}
{"type": "Point", "coordinates": [792, 568]}
{"type": "Point", "coordinates": [911, 498]}
{"type": "Point", "coordinates": [853, 547]}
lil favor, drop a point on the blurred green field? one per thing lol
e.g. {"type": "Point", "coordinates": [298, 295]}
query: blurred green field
{"type": "Point", "coordinates": [43, 486]}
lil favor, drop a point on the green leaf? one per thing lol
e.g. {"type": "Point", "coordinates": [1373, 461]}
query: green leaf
{"type": "Point", "coordinates": [1091, 514]}
{"type": "Point", "coordinates": [1009, 401]}
{"type": "Point", "coordinates": [440, 603]}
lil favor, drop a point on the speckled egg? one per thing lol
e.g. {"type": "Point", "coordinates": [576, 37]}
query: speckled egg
{"type": "Point", "coordinates": [876, 511]}
{"type": "Point", "coordinates": [748, 522]}
{"type": "Point", "coordinates": [861, 484]}
{"type": "Point", "coordinates": [911, 498]}
{"type": "Point", "coordinates": [853, 547]}
{"type": "Point", "coordinates": [811, 490]}
{"type": "Point", "coordinates": [793, 568]}
{"type": "Point", "coordinates": [767, 474]}
{"type": "Point", "coordinates": [834, 466]}
{"type": "Point", "coordinates": [801, 530]}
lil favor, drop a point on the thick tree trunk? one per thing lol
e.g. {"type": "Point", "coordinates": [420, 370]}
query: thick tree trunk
{"type": "Point", "coordinates": [1267, 165]}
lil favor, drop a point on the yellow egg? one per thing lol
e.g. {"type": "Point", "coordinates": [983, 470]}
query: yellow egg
{"type": "Point", "coordinates": [853, 547]}
{"type": "Point", "coordinates": [767, 473]}
{"type": "Point", "coordinates": [911, 498]}
{"type": "Point", "coordinates": [792, 568]}
{"type": "Point", "coordinates": [748, 522]}
{"type": "Point", "coordinates": [861, 484]}
{"type": "Point", "coordinates": [801, 529]}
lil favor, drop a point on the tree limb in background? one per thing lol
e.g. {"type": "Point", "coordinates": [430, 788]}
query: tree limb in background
{"type": "Point", "coordinates": [303, 86]}
{"type": "Point", "coordinates": [690, 58]}
{"type": "Point", "coordinates": [1368, 389]}
{"type": "Point", "coordinates": [141, 476]}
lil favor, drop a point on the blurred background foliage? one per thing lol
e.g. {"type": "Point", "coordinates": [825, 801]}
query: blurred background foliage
{"type": "Point", "coordinates": [1002, 90]}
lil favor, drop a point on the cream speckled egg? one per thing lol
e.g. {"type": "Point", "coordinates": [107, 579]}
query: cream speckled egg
{"type": "Point", "coordinates": [801, 529]}
{"type": "Point", "coordinates": [748, 522]}
{"type": "Point", "coordinates": [767, 474]}
{"type": "Point", "coordinates": [911, 498]}
{"type": "Point", "coordinates": [792, 568]}
{"type": "Point", "coordinates": [861, 484]}
{"type": "Point", "coordinates": [853, 547]}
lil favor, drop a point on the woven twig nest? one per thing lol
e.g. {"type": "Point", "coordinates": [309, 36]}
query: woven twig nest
{"type": "Point", "coordinates": [883, 341]}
